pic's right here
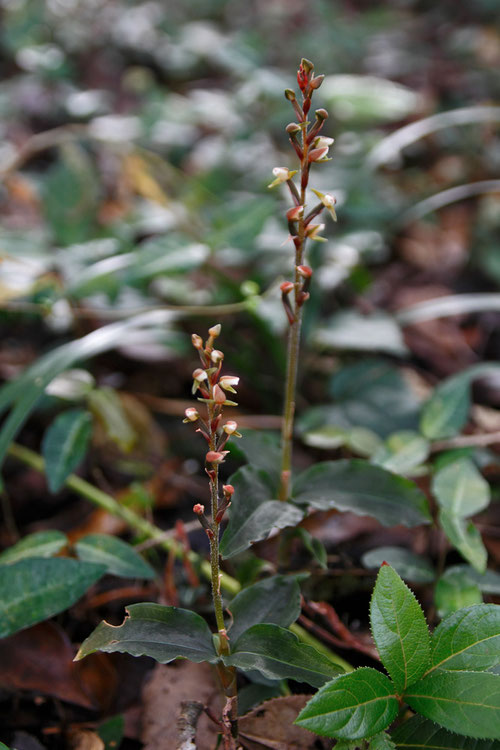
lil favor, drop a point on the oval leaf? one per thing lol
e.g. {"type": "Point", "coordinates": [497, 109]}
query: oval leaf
{"type": "Point", "coordinates": [39, 544]}
{"type": "Point", "coordinates": [120, 558]}
{"type": "Point", "coordinates": [355, 705]}
{"type": "Point", "coordinates": [33, 590]}
{"type": "Point", "coordinates": [364, 489]}
{"type": "Point", "coordinates": [408, 565]}
{"type": "Point", "coordinates": [399, 629]}
{"type": "Point", "coordinates": [64, 445]}
{"type": "Point", "coordinates": [275, 600]}
{"type": "Point", "coordinates": [466, 538]}
{"type": "Point", "coordinates": [455, 589]}
{"type": "Point", "coordinates": [253, 514]}
{"type": "Point", "coordinates": [419, 733]}
{"type": "Point", "coordinates": [278, 654]}
{"type": "Point", "coordinates": [164, 633]}
{"type": "Point", "coordinates": [468, 639]}
{"type": "Point", "coordinates": [460, 489]}
{"type": "Point", "coordinates": [402, 452]}
{"type": "Point", "coordinates": [464, 702]}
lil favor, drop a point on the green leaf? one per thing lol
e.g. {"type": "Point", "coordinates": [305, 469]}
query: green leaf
{"type": "Point", "coordinates": [352, 706]}
{"type": "Point", "coordinates": [402, 452]}
{"type": "Point", "coordinates": [275, 600]}
{"type": "Point", "coordinates": [351, 330]}
{"type": "Point", "coordinates": [381, 741]}
{"type": "Point", "coordinates": [466, 538]}
{"type": "Point", "coordinates": [464, 702]}
{"type": "Point", "coordinates": [65, 444]}
{"type": "Point", "coordinates": [277, 654]}
{"type": "Point", "coordinates": [364, 489]}
{"type": "Point", "coordinates": [312, 545]}
{"type": "Point", "coordinates": [163, 633]}
{"type": "Point", "coordinates": [446, 412]}
{"type": "Point", "coordinates": [460, 489]}
{"type": "Point", "coordinates": [262, 450]}
{"type": "Point", "coordinates": [399, 629]}
{"type": "Point", "coordinates": [468, 639]}
{"type": "Point", "coordinates": [39, 544]}
{"type": "Point", "coordinates": [120, 558]}
{"type": "Point", "coordinates": [252, 514]}
{"type": "Point", "coordinates": [407, 564]}
{"type": "Point", "coordinates": [371, 394]}
{"type": "Point", "coordinates": [33, 590]}
{"type": "Point", "coordinates": [456, 589]}
{"type": "Point", "coordinates": [107, 407]}
{"type": "Point", "coordinates": [419, 733]}
{"type": "Point", "coordinates": [111, 732]}
{"type": "Point", "coordinates": [488, 582]}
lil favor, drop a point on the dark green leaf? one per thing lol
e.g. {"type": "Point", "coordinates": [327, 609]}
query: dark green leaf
{"type": "Point", "coordinates": [419, 733]}
{"type": "Point", "coordinates": [65, 444]}
{"type": "Point", "coordinates": [279, 654]}
{"type": "Point", "coordinates": [262, 451]}
{"type": "Point", "coordinates": [466, 538]}
{"type": "Point", "coordinates": [464, 702]}
{"type": "Point", "coordinates": [355, 705]}
{"type": "Point", "coordinates": [111, 732]}
{"type": "Point", "coordinates": [399, 629]}
{"type": "Point", "coordinates": [456, 589]}
{"type": "Point", "coordinates": [33, 590]}
{"type": "Point", "coordinates": [381, 741]}
{"type": "Point", "coordinates": [460, 489]}
{"type": "Point", "coordinates": [39, 544]}
{"type": "Point", "coordinates": [410, 566]}
{"type": "Point", "coordinates": [312, 545]}
{"type": "Point", "coordinates": [120, 558]}
{"type": "Point", "coordinates": [252, 514]}
{"type": "Point", "coordinates": [364, 489]}
{"type": "Point", "coordinates": [164, 633]}
{"type": "Point", "coordinates": [274, 600]}
{"type": "Point", "coordinates": [468, 639]}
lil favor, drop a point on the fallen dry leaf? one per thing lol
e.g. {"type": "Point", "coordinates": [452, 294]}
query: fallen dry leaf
{"type": "Point", "coordinates": [163, 694]}
{"type": "Point", "coordinates": [271, 726]}
{"type": "Point", "coordinates": [84, 739]}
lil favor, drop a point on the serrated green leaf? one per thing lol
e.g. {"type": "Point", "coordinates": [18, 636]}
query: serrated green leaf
{"type": "Point", "coordinates": [357, 486]}
{"type": "Point", "coordinates": [252, 514]}
{"type": "Point", "coordinates": [278, 654]}
{"type": "Point", "coordinates": [456, 589]}
{"type": "Point", "coordinates": [275, 600]}
{"type": "Point", "coordinates": [381, 741]}
{"type": "Point", "coordinates": [352, 706]}
{"type": "Point", "coordinates": [120, 558]}
{"type": "Point", "coordinates": [35, 589]}
{"type": "Point", "coordinates": [419, 733]}
{"type": "Point", "coordinates": [163, 633]}
{"type": "Point", "coordinates": [406, 563]}
{"type": "Point", "coordinates": [466, 538]}
{"type": "Point", "coordinates": [39, 544]}
{"type": "Point", "coordinates": [64, 445]}
{"type": "Point", "coordinates": [464, 702]}
{"type": "Point", "coordinates": [399, 629]}
{"type": "Point", "coordinates": [467, 640]}
{"type": "Point", "coordinates": [460, 489]}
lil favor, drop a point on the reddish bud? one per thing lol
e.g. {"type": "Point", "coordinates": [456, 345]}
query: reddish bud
{"type": "Point", "coordinates": [384, 563]}
{"type": "Point", "coordinates": [317, 81]}
{"type": "Point", "coordinates": [228, 489]}
{"type": "Point", "coordinates": [306, 65]}
{"type": "Point", "coordinates": [305, 271]}
{"type": "Point", "coordinates": [219, 395]}
{"type": "Point", "coordinates": [199, 509]}
{"type": "Point", "coordinates": [214, 331]}
{"type": "Point", "coordinates": [191, 415]}
{"type": "Point", "coordinates": [217, 356]}
{"type": "Point", "coordinates": [215, 457]}
{"type": "Point", "coordinates": [295, 213]}
{"type": "Point", "coordinates": [321, 114]}
{"type": "Point", "coordinates": [317, 153]}
{"type": "Point", "coordinates": [292, 128]}
{"type": "Point", "coordinates": [197, 341]}
{"type": "Point", "coordinates": [287, 286]}
{"type": "Point", "coordinates": [290, 95]}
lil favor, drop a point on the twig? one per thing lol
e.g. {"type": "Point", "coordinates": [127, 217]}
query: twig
{"type": "Point", "coordinates": [330, 615]}
{"type": "Point", "coordinates": [186, 724]}
{"type": "Point", "coordinates": [463, 441]}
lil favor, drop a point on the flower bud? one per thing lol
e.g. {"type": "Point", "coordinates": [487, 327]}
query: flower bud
{"type": "Point", "coordinates": [293, 128]}
{"type": "Point", "coordinates": [305, 271]}
{"type": "Point", "coordinates": [317, 81]}
{"type": "Point", "coordinates": [219, 395]}
{"type": "Point", "coordinates": [318, 154]}
{"type": "Point", "coordinates": [287, 286]}
{"type": "Point", "coordinates": [228, 489]}
{"type": "Point", "coordinates": [321, 114]}
{"type": "Point", "coordinates": [199, 509]}
{"type": "Point", "coordinates": [214, 331]}
{"type": "Point", "coordinates": [217, 356]}
{"type": "Point", "coordinates": [215, 457]}
{"type": "Point", "coordinates": [191, 415]}
{"type": "Point", "coordinates": [306, 65]}
{"type": "Point", "coordinates": [197, 341]}
{"type": "Point", "coordinates": [313, 230]}
{"type": "Point", "coordinates": [295, 213]}
{"type": "Point", "coordinates": [281, 174]}
{"type": "Point", "coordinates": [199, 375]}
{"type": "Point", "coordinates": [231, 428]}
{"type": "Point", "coordinates": [290, 95]}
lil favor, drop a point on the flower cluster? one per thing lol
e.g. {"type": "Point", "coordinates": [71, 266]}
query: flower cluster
{"type": "Point", "coordinates": [212, 388]}
{"type": "Point", "coordinates": [310, 147]}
